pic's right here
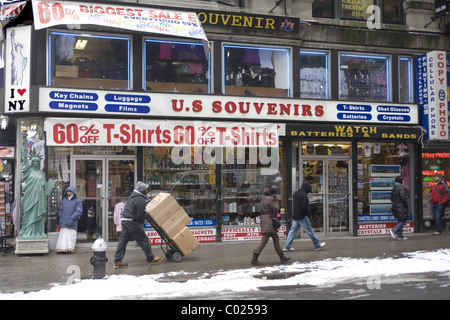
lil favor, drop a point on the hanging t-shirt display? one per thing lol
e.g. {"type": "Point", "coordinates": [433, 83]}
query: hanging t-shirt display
{"type": "Point", "coordinates": [254, 68]}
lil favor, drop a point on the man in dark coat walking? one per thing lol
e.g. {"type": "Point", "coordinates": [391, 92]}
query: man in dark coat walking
{"type": "Point", "coordinates": [300, 218]}
{"type": "Point", "coordinates": [400, 207]}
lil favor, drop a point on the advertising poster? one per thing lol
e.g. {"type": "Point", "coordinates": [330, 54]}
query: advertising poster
{"type": "Point", "coordinates": [50, 13]}
{"type": "Point", "coordinates": [17, 69]}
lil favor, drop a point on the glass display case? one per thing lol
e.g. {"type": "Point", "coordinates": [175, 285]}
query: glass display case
{"type": "Point", "coordinates": [192, 184]}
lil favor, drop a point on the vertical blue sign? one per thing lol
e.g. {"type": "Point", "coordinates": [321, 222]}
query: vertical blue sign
{"type": "Point", "coordinates": [422, 90]}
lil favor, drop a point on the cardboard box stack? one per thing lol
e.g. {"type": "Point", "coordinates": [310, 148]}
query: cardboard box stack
{"type": "Point", "coordinates": [171, 219]}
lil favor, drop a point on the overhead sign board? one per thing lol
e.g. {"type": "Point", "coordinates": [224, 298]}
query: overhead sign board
{"type": "Point", "coordinates": [148, 104]}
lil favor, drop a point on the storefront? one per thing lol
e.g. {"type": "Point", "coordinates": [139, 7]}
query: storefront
{"type": "Point", "coordinates": [215, 126]}
{"type": "Point", "coordinates": [433, 83]}
{"type": "Point", "coordinates": [218, 170]}
{"type": "Point", "coordinates": [352, 169]}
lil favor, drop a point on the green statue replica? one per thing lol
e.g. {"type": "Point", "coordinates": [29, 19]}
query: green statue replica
{"type": "Point", "coordinates": [34, 199]}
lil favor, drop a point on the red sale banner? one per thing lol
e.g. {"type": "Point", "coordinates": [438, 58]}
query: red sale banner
{"type": "Point", "coordinates": [113, 132]}
{"type": "Point", "coordinates": [49, 13]}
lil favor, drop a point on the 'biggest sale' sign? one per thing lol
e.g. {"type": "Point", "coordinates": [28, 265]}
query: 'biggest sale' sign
{"type": "Point", "coordinates": [49, 13]}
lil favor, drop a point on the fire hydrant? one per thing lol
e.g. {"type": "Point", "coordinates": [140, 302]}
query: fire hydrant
{"type": "Point", "coordinates": [99, 259]}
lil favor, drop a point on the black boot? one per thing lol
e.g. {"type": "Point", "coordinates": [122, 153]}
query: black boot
{"type": "Point", "coordinates": [284, 259]}
{"type": "Point", "coordinates": [255, 261]}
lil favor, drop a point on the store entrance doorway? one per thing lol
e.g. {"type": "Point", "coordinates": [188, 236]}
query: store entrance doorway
{"type": "Point", "coordinates": [330, 200]}
{"type": "Point", "coordinates": [102, 182]}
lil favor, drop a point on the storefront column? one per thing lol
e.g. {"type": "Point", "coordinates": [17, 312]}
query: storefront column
{"type": "Point", "coordinates": [219, 200]}
{"type": "Point", "coordinates": [418, 198]}
{"type": "Point", "coordinates": [354, 169]}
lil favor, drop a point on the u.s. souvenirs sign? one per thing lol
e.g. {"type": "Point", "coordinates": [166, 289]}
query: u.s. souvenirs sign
{"type": "Point", "coordinates": [148, 104]}
{"type": "Point", "coordinates": [248, 21]}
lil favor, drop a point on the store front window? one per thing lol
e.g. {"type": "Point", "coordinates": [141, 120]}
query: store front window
{"type": "Point", "coordinates": [174, 66]}
{"type": "Point", "coordinates": [188, 175]}
{"type": "Point", "coordinates": [364, 77]}
{"type": "Point", "coordinates": [314, 75]}
{"type": "Point", "coordinates": [244, 182]}
{"type": "Point", "coordinates": [432, 163]}
{"type": "Point", "coordinates": [378, 165]}
{"type": "Point", "coordinates": [89, 61]}
{"type": "Point", "coordinates": [256, 71]}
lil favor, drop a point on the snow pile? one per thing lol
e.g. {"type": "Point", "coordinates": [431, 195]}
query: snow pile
{"type": "Point", "coordinates": [318, 273]}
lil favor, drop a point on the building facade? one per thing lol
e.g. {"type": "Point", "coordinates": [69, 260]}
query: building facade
{"type": "Point", "coordinates": [217, 101]}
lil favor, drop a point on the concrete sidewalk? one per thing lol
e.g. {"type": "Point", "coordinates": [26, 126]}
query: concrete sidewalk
{"type": "Point", "coordinates": [32, 273]}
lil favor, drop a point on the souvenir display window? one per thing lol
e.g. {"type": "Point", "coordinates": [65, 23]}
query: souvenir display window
{"type": "Point", "coordinates": [246, 175]}
{"type": "Point", "coordinates": [189, 174]}
{"type": "Point", "coordinates": [256, 71]}
{"type": "Point", "coordinates": [89, 61]}
{"type": "Point", "coordinates": [364, 77]}
{"type": "Point", "coordinates": [175, 66]}
{"type": "Point", "coordinates": [314, 75]}
{"type": "Point", "coordinates": [378, 165]}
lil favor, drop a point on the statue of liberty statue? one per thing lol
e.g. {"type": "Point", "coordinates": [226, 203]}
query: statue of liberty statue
{"type": "Point", "coordinates": [34, 200]}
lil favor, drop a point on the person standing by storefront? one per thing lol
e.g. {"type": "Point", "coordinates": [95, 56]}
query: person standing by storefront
{"type": "Point", "coordinates": [70, 211]}
{"type": "Point", "coordinates": [269, 210]}
{"type": "Point", "coordinates": [300, 218]}
{"type": "Point", "coordinates": [400, 207]}
{"type": "Point", "coordinates": [439, 199]}
{"type": "Point", "coordinates": [133, 218]}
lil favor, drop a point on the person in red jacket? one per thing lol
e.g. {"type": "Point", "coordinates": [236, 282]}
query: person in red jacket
{"type": "Point", "coordinates": [439, 198]}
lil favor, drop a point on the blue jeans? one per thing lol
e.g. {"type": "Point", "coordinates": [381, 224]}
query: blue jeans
{"type": "Point", "coordinates": [438, 211]}
{"type": "Point", "coordinates": [398, 229]}
{"type": "Point", "coordinates": [306, 224]}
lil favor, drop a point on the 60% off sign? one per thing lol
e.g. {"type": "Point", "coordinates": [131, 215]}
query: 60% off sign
{"type": "Point", "coordinates": [158, 133]}
{"type": "Point", "coordinates": [74, 134]}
